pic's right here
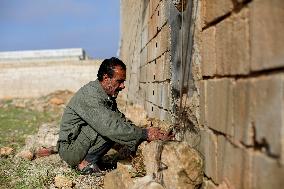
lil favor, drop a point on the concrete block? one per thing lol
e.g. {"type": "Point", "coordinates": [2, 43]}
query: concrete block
{"type": "Point", "coordinates": [153, 4]}
{"type": "Point", "coordinates": [144, 56]}
{"type": "Point", "coordinates": [231, 163]}
{"type": "Point", "coordinates": [166, 60]}
{"type": "Point", "coordinates": [218, 112]}
{"type": "Point", "coordinates": [165, 116]}
{"type": "Point", "coordinates": [163, 43]}
{"type": "Point", "coordinates": [213, 9]}
{"type": "Point", "coordinates": [163, 67]}
{"type": "Point", "coordinates": [143, 74]}
{"type": "Point", "coordinates": [151, 92]}
{"type": "Point", "coordinates": [232, 44]}
{"type": "Point", "coordinates": [142, 91]}
{"type": "Point", "coordinates": [145, 15]}
{"type": "Point", "coordinates": [208, 148]}
{"type": "Point", "coordinates": [151, 72]}
{"type": "Point", "coordinates": [157, 94]}
{"type": "Point", "coordinates": [153, 26]}
{"type": "Point", "coordinates": [165, 95]}
{"type": "Point", "coordinates": [162, 14]}
{"type": "Point", "coordinates": [152, 49]}
{"type": "Point", "coordinates": [153, 111]}
{"type": "Point", "coordinates": [267, 38]}
{"type": "Point", "coordinates": [202, 102]}
{"type": "Point", "coordinates": [242, 128]}
{"type": "Point", "coordinates": [208, 52]}
{"type": "Point", "coordinates": [159, 69]}
{"type": "Point", "coordinates": [144, 37]}
{"type": "Point", "coordinates": [267, 173]}
{"type": "Point", "coordinates": [266, 112]}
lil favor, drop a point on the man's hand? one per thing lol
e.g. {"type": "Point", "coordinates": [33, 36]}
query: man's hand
{"type": "Point", "coordinates": [157, 134]}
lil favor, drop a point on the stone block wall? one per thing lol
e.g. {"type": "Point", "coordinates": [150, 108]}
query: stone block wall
{"type": "Point", "coordinates": [34, 79]}
{"type": "Point", "coordinates": [233, 56]}
{"type": "Point", "coordinates": [145, 49]}
{"type": "Point", "coordinates": [241, 92]}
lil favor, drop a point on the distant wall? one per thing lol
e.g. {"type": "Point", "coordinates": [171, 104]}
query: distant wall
{"type": "Point", "coordinates": [19, 79]}
{"type": "Point", "coordinates": [43, 55]}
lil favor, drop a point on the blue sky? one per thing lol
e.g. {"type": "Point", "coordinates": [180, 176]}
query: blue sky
{"type": "Point", "coordinates": [53, 24]}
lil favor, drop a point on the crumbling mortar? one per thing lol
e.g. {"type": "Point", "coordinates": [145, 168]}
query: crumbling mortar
{"type": "Point", "coordinates": [257, 147]}
{"type": "Point", "coordinates": [162, 108]}
{"type": "Point", "coordinates": [253, 74]}
{"type": "Point", "coordinates": [158, 31]}
{"type": "Point", "coordinates": [155, 9]}
{"type": "Point", "coordinates": [237, 8]}
{"type": "Point", "coordinates": [156, 58]}
{"type": "Point", "coordinates": [210, 179]}
{"type": "Point", "coordinates": [161, 81]}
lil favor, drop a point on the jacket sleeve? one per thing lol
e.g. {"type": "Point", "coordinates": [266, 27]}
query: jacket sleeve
{"type": "Point", "coordinates": [110, 124]}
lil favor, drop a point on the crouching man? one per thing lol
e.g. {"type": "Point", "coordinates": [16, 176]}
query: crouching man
{"type": "Point", "coordinates": [91, 122]}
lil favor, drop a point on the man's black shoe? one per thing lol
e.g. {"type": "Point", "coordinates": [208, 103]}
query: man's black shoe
{"type": "Point", "coordinates": [92, 169]}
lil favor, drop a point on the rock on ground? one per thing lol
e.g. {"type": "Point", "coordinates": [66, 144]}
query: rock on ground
{"type": "Point", "coordinates": [6, 151]}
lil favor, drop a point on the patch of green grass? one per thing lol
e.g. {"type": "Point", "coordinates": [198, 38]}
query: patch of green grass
{"type": "Point", "coordinates": [16, 123]}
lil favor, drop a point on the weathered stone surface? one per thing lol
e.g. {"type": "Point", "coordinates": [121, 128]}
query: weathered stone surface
{"type": "Point", "coordinates": [136, 114]}
{"type": "Point", "coordinates": [6, 151]}
{"type": "Point", "coordinates": [63, 182]}
{"type": "Point", "coordinates": [266, 112]}
{"type": "Point", "coordinates": [183, 166]}
{"type": "Point", "coordinates": [56, 101]}
{"type": "Point", "coordinates": [26, 154]}
{"type": "Point", "coordinates": [162, 14]}
{"type": "Point", "coordinates": [267, 38]}
{"type": "Point", "coordinates": [165, 95]}
{"type": "Point", "coordinates": [267, 173]}
{"type": "Point", "coordinates": [163, 42]}
{"type": "Point", "coordinates": [202, 102]}
{"type": "Point", "coordinates": [218, 108]}
{"type": "Point", "coordinates": [149, 151]}
{"type": "Point", "coordinates": [47, 136]}
{"type": "Point", "coordinates": [119, 178]}
{"type": "Point", "coordinates": [214, 9]}
{"type": "Point", "coordinates": [208, 148]}
{"type": "Point", "coordinates": [208, 52]}
{"type": "Point", "coordinates": [233, 164]}
{"type": "Point", "coordinates": [232, 44]}
{"type": "Point", "coordinates": [242, 128]}
{"type": "Point", "coordinates": [146, 182]}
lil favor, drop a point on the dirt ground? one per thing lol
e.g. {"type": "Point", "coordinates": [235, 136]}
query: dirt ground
{"type": "Point", "coordinates": [26, 123]}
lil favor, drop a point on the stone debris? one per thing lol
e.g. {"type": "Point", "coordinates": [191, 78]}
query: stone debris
{"type": "Point", "coordinates": [173, 163]}
{"type": "Point", "coordinates": [56, 101]}
{"type": "Point", "coordinates": [63, 182]}
{"type": "Point", "coordinates": [120, 177]}
{"type": "Point", "coordinates": [6, 151]}
{"type": "Point", "coordinates": [26, 154]}
{"type": "Point", "coordinates": [46, 137]}
{"type": "Point", "coordinates": [146, 182]}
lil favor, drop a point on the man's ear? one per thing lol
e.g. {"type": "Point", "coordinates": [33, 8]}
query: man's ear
{"type": "Point", "coordinates": [105, 77]}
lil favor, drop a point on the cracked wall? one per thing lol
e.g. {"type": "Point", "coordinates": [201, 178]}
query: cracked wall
{"type": "Point", "coordinates": [215, 67]}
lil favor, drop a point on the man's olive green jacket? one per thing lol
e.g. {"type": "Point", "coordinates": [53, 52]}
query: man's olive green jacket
{"type": "Point", "coordinates": [92, 107]}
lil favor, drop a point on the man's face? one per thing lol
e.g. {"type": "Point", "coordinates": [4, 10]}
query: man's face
{"type": "Point", "coordinates": [114, 85]}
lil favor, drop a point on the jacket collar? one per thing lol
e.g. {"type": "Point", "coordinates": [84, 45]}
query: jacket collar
{"type": "Point", "coordinates": [101, 92]}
